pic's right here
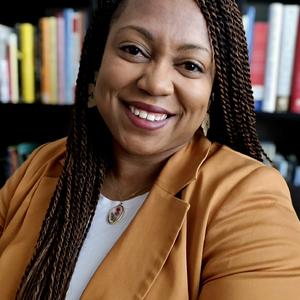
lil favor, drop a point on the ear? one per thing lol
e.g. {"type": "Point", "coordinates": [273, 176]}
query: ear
{"type": "Point", "coordinates": [91, 99]}
{"type": "Point", "coordinates": [91, 91]}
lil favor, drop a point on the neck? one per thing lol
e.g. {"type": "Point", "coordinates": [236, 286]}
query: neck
{"type": "Point", "coordinates": [131, 175]}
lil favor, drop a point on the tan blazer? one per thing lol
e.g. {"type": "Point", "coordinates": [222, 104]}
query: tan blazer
{"type": "Point", "coordinates": [216, 225]}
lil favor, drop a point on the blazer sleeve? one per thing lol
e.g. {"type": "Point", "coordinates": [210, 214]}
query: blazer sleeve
{"type": "Point", "coordinates": [11, 187]}
{"type": "Point", "coordinates": [252, 246]}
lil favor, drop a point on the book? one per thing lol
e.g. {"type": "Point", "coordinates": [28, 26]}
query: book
{"type": "Point", "coordinates": [258, 61]}
{"type": "Point", "coordinates": [60, 21]}
{"type": "Point", "coordinates": [273, 54]}
{"type": "Point", "coordinates": [68, 14]}
{"type": "Point", "coordinates": [52, 56]}
{"type": "Point", "coordinates": [249, 28]}
{"type": "Point", "coordinates": [295, 89]}
{"type": "Point", "coordinates": [287, 56]}
{"type": "Point", "coordinates": [45, 60]}
{"type": "Point", "coordinates": [5, 32]}
{"type": "Point", "coordinates": [26, 36]}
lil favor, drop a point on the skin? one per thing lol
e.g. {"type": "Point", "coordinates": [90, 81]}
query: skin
{"type": "Point", "coordinates": [158, 53]}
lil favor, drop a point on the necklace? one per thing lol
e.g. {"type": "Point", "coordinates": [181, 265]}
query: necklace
{"type": "Point", "coordinates": [116, 213]}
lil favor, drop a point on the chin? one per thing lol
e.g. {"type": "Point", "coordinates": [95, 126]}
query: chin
{"type": "Point", "coordinates": [140, 150]}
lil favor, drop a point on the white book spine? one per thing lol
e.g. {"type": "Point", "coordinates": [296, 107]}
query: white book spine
{"type": "Point", "coordinates": [14, 72]}
{"type": "Point", "coordinates": [287, 55]}
{"type": "Point", "coordinates": [272, 59]}
{"type": "Point", "coordinates": [5, 31]}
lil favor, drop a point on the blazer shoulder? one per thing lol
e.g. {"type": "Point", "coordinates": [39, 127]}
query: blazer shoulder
{"type": "Point", "coordinates": [46, 154]}
{"type": "Point", "coordinates": [238, 176]}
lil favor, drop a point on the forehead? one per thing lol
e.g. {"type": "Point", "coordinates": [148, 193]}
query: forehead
{"type": "Point", "coordinates": [180, 19]}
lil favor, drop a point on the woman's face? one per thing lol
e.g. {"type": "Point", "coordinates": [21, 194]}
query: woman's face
{"type": "Point", "coordinates": [156, 76]}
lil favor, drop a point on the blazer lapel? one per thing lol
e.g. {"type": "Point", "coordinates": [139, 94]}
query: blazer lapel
{"type": "Point", "coordinates": [134, 262]}
{"type": "Point", "coordinates": [132, 265]}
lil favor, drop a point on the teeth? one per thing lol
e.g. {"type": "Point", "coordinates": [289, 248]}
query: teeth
{"type": "Point", "coordinates": [153, 117]}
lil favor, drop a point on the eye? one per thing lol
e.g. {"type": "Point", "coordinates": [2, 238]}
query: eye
{"type": "Point", "coordinates": [192, 67]}
{"type": "Point", "coordinates": [132, 50]}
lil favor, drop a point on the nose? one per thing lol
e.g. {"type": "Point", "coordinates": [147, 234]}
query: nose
{"type": "Point", "coordinates": [156, 79]}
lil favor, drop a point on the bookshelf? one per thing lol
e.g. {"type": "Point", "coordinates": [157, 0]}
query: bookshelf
{"type": "Point", "coordinates": [32, 123]}
{"type": "Point", "coordinates": [280, 128]}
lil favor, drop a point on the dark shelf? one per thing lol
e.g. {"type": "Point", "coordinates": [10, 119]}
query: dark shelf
{"type": "Point", "coordinates": [282, 129]}
{"type": "Point", "coordinates": [30, 11]}
{"type": "Point", "coordinates": [295, 193]}
{"type": "Point", "coordinates": [33, 122]}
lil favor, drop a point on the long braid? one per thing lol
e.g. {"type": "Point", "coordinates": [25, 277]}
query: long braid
{"type": "Point", "coordinates": [233, 106]}
{"type": "Point", "coordinates": [73, 204]}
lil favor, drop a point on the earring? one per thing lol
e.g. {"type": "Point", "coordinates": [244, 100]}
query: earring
{"type": "Point", "coordinates": [205, 124]}
{"type": "Point", "coordinates": [91, 99]}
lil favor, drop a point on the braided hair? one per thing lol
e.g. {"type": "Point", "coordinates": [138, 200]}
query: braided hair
{"type": "Point", "coordinates": [73, 204]}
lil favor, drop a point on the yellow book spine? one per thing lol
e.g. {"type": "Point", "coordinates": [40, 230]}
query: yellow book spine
{"type": "Point", "coordinates": [26, 32]}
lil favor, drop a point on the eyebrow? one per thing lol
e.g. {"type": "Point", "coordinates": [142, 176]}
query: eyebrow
{"type": "Point", "coordinates": [187, 47]}
{"type": "Point", "coordinates": [149, 36]}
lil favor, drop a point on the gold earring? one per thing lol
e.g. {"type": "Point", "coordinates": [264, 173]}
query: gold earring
{"type": "Point", "coordinates": [205, 124]}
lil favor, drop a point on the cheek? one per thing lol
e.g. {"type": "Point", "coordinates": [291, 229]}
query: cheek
{"type": "Point", "coordinates": [197, 97]}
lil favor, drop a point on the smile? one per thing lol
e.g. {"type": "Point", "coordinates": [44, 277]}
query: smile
{"type": "Point", "coordinates": [149, 116]}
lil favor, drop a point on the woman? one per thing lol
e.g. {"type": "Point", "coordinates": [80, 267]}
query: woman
{"type": "Point", "coordinates": [144, 206]}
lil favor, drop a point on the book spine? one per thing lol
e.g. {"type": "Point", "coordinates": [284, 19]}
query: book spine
{"type": "Point", "coordinates": [13, 66]}
{"type": "Point", "coordinates": [53, 59]}
{"type": "Point", "coordinates": [5, 32]}
{"type": "Point", "coordinates": [26, 32]}
{"type": "Point", "coordinates": [295, 90]}
{"type": "Point", "coordinates": [258, 60]}
{"type": "Point", "coordinates": [60, 58]}
{"type": "Point", "coordinates": [251, 13]}
{"type": "Point", "coordinates": [69, 81]}
{"type": "Point", "coordinates": [273, 52]}
{"type": "Point", "coordinates": [287, 55]}
{"type": "Point", "coordinates": [45, 69]}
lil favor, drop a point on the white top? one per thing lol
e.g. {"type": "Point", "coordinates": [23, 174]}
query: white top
{"type": "Point", "coordinates": [100, 239]}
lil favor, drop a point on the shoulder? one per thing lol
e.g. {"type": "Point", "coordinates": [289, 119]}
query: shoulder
{"type": "Point", "coordinates": [44, 162]}
{"type": "Point", "coordinates": [228, 179]}
{"type": "Point", "coordinates": [50, 150]}
{"type": "Point", "coordinates": [226, 163]}
{"type": "Point", "coordinates": [51, 153]}
{"type": "Point", "coordinates": [250, 224]}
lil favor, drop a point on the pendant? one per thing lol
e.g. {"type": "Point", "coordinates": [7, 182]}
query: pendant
{"type": "Point", "coordinates": [115, 214]}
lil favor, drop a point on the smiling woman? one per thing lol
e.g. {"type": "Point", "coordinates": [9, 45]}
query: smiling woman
{"type": "Point", "coordinates": [154, 85]}
{"type": "Point", "coordinates": [159, 191]}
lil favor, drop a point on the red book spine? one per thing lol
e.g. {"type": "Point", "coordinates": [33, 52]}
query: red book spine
{"type": "Point", "coordinates": [258, 61]}
{"type": "Point", "coordinates": [295, 92]}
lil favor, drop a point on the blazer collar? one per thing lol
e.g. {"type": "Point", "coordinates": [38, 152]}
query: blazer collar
{"type": "Point", "coordinates": [134, 262]}
{"type": "Point", "coordinates": [183, 167]}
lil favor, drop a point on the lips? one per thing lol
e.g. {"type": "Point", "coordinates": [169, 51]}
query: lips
{"type": "Point", "coordinates": [147, 116]}
{"type": "Point", "coordinates": [150, 116]}
{"type": "Point", "coordinates": [149, 108]}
